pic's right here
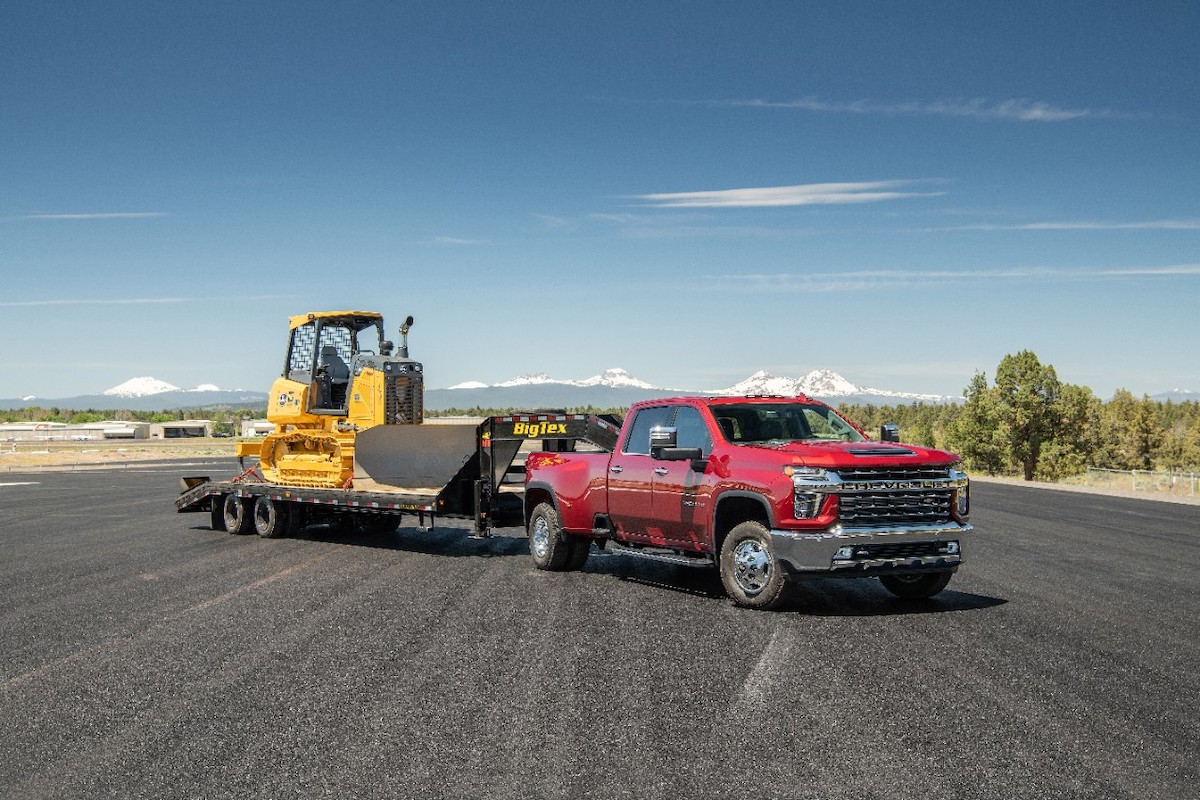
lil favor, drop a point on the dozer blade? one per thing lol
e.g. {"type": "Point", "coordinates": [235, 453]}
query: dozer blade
{"type": "Point", "coordinates": [412, 456]}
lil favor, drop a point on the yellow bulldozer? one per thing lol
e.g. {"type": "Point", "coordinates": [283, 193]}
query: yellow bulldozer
{"type": "Point", "coordinates": [332, 388]}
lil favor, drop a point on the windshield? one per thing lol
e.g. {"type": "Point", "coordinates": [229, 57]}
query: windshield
{"type": "Point", "coordinates": [782, 422]}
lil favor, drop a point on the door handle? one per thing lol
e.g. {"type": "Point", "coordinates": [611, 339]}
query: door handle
{"type": "Point", "coordinates": [660, 470]}
{"type": "Point", "coordinates": [615, 469]}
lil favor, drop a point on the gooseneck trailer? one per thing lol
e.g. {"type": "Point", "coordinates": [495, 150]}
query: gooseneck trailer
{"type": "Point", "coordinates": [430, 471]}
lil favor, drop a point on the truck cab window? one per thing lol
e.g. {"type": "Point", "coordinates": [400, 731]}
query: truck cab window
{"type": "Point", "coordinates": [638, 440]}
{"type": "Point", "coordinates": [691, 430]}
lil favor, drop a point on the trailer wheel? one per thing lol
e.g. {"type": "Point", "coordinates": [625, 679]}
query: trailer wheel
{"type": "Point", "coordinates": [916, 587]}
{"type": "Point", "coordinates": [239, 515]}
{"type": "Point", "coordinates": [752, 575]}
{"type": "Point", "coordinates": [548, 545]}
{"type": "Point", "coordinates": [270, 518]}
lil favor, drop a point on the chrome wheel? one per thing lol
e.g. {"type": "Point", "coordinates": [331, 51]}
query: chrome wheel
{"type": "Point", "coordinates": [751, 566]}
{"type": "Point", "coordinates": [539, 538]}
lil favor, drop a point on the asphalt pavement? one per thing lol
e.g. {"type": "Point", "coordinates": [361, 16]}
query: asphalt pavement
{"type": "Point", "coordinates": [143, 655]}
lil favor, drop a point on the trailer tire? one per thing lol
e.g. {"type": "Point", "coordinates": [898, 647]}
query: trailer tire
{"type": "Point", "coordinates": [753, 577]}
{"type": "Point", "coordinates": [916, 587]}
{"type": "Point", "coordinates": [548, 545]}
{"type": "Point", "coordinates": [239, 517]}
{"type": "Point", "coordinates": [270, 517]}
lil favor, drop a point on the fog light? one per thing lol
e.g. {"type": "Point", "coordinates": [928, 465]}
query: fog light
{"type": "Point", "coordinates": [844, 554]}
{"type": "Point", "coordinates": [951, 548]}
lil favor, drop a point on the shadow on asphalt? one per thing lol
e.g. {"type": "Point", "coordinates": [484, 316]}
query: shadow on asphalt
{"type": "Point", "coordinates": [448, 541]}
{"type": "Point", "coordinates": [865, 597]}
{"type": "Point", "coordinates": [829, 597]}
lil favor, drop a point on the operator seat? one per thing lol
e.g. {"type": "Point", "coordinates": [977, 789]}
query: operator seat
{"type": "Point", "coordinates": [336, 375]}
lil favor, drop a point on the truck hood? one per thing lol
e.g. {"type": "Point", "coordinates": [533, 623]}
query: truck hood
{"type": "Point", "coordinates": [831, 454]}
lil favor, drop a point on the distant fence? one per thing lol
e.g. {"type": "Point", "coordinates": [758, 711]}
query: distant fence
{"type": "Point", "coordinates": [1178, 484]}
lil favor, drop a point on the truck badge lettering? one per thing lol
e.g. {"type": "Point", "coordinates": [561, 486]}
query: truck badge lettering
{"type": "Point", "coordinates": [533, 430]}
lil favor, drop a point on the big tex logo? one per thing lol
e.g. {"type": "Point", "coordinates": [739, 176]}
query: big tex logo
{"type": "Point", "coordinates": [535, 429]}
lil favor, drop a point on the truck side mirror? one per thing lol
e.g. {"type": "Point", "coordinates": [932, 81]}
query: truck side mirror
{"type": "Point", "coordinates": [662, 436]}
{"type": "Point", "coordinates": [889, 433]}
{"type": "Point", "coordinates": [692, 454]}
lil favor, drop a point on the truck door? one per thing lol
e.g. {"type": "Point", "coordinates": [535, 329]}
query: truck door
{"type": "Point", "coordinates": [631, 475]}
{"type": "Point", "coordinates": [680, 498]}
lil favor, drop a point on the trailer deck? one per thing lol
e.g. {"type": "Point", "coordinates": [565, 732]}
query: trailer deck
{"type": "Point", "coordinates": [474, 464]}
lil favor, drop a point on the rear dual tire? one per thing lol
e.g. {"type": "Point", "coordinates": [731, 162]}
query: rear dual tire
{"type": "Point", "coordinates": [550, 547]}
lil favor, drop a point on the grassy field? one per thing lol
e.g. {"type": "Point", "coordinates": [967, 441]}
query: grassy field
{"type": "Point", "coordinates": [20, 456]}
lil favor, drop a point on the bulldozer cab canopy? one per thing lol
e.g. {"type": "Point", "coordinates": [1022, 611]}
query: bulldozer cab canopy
{"type": "Point", "coordinates": [327, 339]}
{"type": "Point", "coordinates": [355, 320]}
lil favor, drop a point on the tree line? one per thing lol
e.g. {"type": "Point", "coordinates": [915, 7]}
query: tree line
{"type": "Point", "coordinates": [1029, 423]}
{"type": "Point", "coordinates": [1026, 422]}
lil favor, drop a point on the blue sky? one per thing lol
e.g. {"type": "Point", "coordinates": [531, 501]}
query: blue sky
{"type": "Point", "coordinates": [903, 193]}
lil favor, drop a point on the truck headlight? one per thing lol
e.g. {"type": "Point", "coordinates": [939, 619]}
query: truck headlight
{"type": "Point", "coordinates": [963, 504]}
{"type": "Point", "coordinates": [805, 505]}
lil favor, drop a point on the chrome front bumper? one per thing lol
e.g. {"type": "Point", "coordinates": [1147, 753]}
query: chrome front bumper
{"type": "Point", "coordinates": [910, 548]}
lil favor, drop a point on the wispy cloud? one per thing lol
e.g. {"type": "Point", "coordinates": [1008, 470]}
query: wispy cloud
{"type": "Point", "coordinates": [99, 215]}
{"type": "Point", "coordinates": [123, 301]}
{"type": "Point", "coordinates": [129, 301]}
{"type": "Point", "coordinates": [981, 108]}
{"type": "Point", "coordinates": [555, 222]}
{"type": "Point", "coordinates": [453, 241]}
{"type": "Point", "coordinates": [864, 280]}
{"type": "Point", "coordinates": [1147, 225]}
{"type": "Point", "coordinates": [778, 196]}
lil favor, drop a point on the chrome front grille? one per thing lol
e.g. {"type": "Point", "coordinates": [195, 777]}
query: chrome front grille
{"type": "Point", "coordinates": [864, 509]}
{"type": "Point", "coordinates": [893, 474]}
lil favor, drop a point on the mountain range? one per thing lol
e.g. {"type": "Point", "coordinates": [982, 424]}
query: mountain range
{"type": "Point", "coordinates": [613, 388]}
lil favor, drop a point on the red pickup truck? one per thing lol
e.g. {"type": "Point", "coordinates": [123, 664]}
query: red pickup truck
{"type": "Point", "coordinates": [767, 489]}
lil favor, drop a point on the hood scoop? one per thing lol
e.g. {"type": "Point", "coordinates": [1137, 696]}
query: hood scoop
{"type": "Point", "coordinates": [879, 451]}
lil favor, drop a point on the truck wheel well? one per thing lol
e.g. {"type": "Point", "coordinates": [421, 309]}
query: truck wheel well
{"type": "Point", "coordinates": [533, 497]}
{"type": "Point", "coordinates": [733, 511]}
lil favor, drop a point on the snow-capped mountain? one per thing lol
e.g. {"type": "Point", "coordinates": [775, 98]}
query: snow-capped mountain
{"type": "Point", "coordinates": [146, 386]}
{"type": "Point", "coordinates": [140, 387]}
{"type": "Point", "coordinates": [615, 387]}
{"type": "Point", "coordinates": [615, 377]}
{"type": "Point", "coordinates": [822, 383]}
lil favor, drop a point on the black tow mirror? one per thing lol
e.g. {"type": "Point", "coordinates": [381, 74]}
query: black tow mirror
{"type": "Point", "coordinates": [692, 454]}
{"type": "Point", "coordinates": [889, 433]}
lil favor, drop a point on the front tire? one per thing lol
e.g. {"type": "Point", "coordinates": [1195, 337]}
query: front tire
{"type": "Point", "coordinates": [753, 577]}
{"type": "Point", "coordinates": [270, 518]}
{"type": "Point", "coordinates": [916, 587]}
{"type": "Point", "coordinates": [239, 518]}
